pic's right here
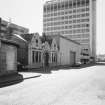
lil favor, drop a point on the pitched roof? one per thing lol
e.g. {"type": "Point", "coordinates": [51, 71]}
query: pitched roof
{"type": "Point", "coordinates": [56, 36]}
{"type": "Point", "coordinates": [46, 39]}
{"type": "Point", "coordinates": [20, 37]}
{"type": "Point", "coordinates": [69, 39]}
{"type": "Point", "coordinates": [27, 37]}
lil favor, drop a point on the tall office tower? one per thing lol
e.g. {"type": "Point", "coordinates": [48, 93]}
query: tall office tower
{"type": "Point", "coordinates": [75, 19]}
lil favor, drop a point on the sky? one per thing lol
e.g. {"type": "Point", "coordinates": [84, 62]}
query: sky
{"type": "Point", "coordinates": [29, 14]}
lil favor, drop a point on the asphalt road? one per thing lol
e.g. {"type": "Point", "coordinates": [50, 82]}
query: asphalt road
{"type": "Point", "coordinates": [64, 87]}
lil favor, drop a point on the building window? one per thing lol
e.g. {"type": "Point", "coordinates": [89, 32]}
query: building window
{"type": "Point", "coordinates": [36, 56]}
{"type": "Point", "coordinates": [83, 2]}
{"type": "Point", "coordinates": [48, 8]}
{"type": "Point", "coordinates": [33, 56]}
{"type": "Point", "coordinates": [54, 57]}
{"type": "Point", "coordinates": [63, 5]}
{"type": "Point", "coordinates": [70, 4]}
{"type": "Point", "coordinates": [74, 4]}
{"type": "Point", "coordinates": [59, 6]}
{"type": "Point", "coordinates": [70, 16]}
{"type": "Point", "coordinates": [39, 56]}
{"type": "Point", "coordinates": [66, 17]}
{"type": "Point", "coordinates": [78, 3]}
{"type": "Point", "coordinates": [87, 9]}
{"type": "Point", "coordinates": [55, 7]}
{"type": "Point", "coordinates": [37, 42]}
{"type": "Point", "coordinates": [66, 5]}
{"type": "Point", "coordinates": [87, 1]}
{"type": "Point", "coordinates": [45, 9]}
{"type": "Point", "coordinates": [87, 25]}
{"type": "Point", "coordinates": [51, 7]}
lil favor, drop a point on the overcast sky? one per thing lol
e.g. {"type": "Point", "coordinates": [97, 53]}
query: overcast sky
{"type": "Point", "coordinates": [29, 13]}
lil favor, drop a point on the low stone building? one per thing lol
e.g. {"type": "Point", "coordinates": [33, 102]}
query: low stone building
{"type": "Point", "coordinates": [35, 51]}
{"type": "Point", "coordinates": [8, 57]}
{"type": "Point", "coordinates": [50, 51]}
{"type": "Point", "coordinates": [41, 52]}
{"type": "Point", "coordinates": [68, 50]}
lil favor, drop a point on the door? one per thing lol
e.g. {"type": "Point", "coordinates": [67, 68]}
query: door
{"type": "Point", "coordinates": [72, 58]}
{"type": "Point", "coordinates": [11, 58]}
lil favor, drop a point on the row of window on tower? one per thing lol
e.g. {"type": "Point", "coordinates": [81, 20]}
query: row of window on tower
{"type": "Point", "coordinates": [77, 26]}
{"type": "Point", "coordinates": [79, 36]}
{"type": "Point", "coordinates": [77, 31]}
{"type": "Point", "coordinates": [80, 10]}
{"type": "Point", "coordinates": [65, 5]}
{"type": "Point", "coordinates": [77, 16]}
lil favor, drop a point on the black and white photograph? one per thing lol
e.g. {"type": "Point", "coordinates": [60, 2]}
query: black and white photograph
{"type": "Point", "coordinates": [52, 52]}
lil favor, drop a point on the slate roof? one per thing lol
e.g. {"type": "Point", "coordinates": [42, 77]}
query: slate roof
{"type": "Point", "coordinates": [27, 37]}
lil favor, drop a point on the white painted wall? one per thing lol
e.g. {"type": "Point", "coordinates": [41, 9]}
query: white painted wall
{"type": "Point", "coordinates": [64, 54]}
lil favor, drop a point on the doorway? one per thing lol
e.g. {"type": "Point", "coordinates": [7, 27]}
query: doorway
{"type": "Point", "coordinates": [72, 57]}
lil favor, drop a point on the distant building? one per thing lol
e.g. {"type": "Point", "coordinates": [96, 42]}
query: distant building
{"type": "Point", "coordinates": [11, 31]}
{"type": "Point", "coordinates": [7, 27]}
{"type": "Point", "coordinates": [8, 57]}
{"type": "Point", "coordinates": [101, 57]}
{"type": "Point", "coordinates": [75, 19]}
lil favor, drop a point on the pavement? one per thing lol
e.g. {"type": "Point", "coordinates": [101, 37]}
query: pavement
{"type": "Point", "coordinates": [29, 75]}
{"type": "Point", "coordinates": [85, 86]}
{"type": "Point", "coordinates": [20, 76]}
{"type": "Point", "coordinates": [15, 78]}
{"type": "Point", "coordinates": [10, 79]}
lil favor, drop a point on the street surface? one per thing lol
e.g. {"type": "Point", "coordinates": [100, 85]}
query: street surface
{"type": "Point", "coordinates": [84, 86]}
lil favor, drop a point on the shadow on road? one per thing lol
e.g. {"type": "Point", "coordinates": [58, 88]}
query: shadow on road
{"type": "Point", "coordinates": [9, 80]}
{"type": "Point", "coordinates": [32, 77]}
{"type": "Point", "coordinates": [38, 70]}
